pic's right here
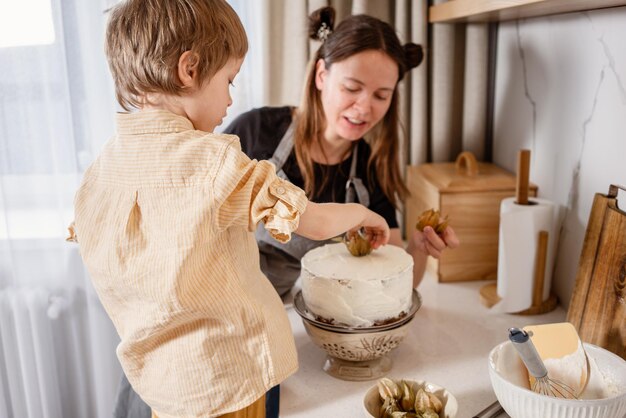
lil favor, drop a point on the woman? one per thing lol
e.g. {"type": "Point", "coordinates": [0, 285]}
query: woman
{"type": "Point", "coordinates": [351, 91]}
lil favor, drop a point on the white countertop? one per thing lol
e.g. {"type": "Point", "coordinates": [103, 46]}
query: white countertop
{"type": "Point", "coordinates": [448, 344]}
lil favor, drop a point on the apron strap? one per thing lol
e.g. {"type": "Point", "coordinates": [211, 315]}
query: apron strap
{"type": "Point", "coordinates": [355, 188]}
{"type": "Point", "coordinates": [355, 185]}
{"type": "Point", "coordinates": [282, 151]}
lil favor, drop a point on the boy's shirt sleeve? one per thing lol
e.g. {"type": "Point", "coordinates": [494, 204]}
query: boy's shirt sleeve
{"type": "Point", "coordinates": [248, 192]}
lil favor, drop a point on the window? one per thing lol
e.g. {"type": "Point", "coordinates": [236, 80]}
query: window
{"type": "Point", "coordinates": [26, 22]}
{"type": "Point", "coordinates": [56, 110]}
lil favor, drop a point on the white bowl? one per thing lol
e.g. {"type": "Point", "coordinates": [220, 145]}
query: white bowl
{"type": "Point", "coordinates": [372, 402]}
{"type": "Point", "coordinates": [520, 402]}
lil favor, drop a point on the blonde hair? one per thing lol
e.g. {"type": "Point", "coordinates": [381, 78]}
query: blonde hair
{"type": "Point", "coordinates": [145, 39]}
{"type": "Point", "coordinates": [353, 35]}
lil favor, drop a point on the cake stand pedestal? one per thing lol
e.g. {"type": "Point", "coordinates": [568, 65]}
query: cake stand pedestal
{"type": "Point", "coordinates": [357, 353]}
{"type": "Point", "coordinates": [357, 370]}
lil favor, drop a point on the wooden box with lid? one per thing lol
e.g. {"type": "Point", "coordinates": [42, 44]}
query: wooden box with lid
{"type": "Point", "coordinates": [469, 193]}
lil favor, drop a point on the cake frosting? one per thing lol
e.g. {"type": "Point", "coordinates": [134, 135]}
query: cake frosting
{"type": "Point", "coordinates": [357, 291]}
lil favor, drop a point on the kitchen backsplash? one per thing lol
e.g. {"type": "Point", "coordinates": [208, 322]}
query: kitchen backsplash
{"type": "Point", "coordinates": [561, 92]}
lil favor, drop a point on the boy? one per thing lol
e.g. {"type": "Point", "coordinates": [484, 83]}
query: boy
{"type": "Point", "coordinates": [165, 217]}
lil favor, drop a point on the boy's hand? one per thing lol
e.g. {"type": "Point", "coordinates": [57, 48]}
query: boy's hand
{"type": "Point", "coordinates": [376, 229]}
{"type": "Point", "coordinates": [433, 244]}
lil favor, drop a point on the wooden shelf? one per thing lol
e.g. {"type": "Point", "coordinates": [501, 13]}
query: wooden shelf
{"type": "Point", "coordinates": [497, 10]}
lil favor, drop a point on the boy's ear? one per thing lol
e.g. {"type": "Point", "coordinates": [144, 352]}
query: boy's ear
{"type": "Point", "coordinates": [320, 73]}
{"type": "Point", "coordinates": [188, 68]}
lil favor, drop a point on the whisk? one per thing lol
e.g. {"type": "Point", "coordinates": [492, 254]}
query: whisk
{"type": "Point", "coordinates": [543, 384]}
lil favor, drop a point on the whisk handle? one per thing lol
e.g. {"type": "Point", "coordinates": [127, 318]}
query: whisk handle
{"type": "Point", "coordinates": [527, 351]}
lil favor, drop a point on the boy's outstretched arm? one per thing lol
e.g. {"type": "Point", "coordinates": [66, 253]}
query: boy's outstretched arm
{"type": "Point", "coordinates": [322, 221]}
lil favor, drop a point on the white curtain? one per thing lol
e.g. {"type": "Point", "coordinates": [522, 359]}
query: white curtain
{"type": "Point", "coordinates": [57, 106]}
{"type": "Point", "coordinates": [250, 90]}
{"type": "Point", "coordinates": [57, 355]}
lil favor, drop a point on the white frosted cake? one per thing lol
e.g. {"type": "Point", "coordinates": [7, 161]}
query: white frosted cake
{"type": "Point", "coordinates": [339, 288]}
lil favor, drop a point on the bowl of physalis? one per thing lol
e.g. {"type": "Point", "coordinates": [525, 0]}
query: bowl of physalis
{"type": "Point", "coordinates": [391, 398]}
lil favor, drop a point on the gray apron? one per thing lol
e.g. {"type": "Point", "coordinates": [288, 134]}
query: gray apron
{"type": "Point", "coordinates": [281, 262]}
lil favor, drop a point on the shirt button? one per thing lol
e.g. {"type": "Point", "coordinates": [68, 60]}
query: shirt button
{"type": "Point", "coordinates": [280, 190]}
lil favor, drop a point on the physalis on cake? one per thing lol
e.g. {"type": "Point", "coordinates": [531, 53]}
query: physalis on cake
{"type": "Point", "coordinates": [357, 242]}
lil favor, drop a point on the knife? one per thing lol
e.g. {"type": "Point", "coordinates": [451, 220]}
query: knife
{"type": "Point", "coordinates": [491, 411]}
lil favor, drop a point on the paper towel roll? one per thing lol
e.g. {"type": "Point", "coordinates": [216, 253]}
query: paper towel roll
{"type": "Point", "coordinates": [517, 250]}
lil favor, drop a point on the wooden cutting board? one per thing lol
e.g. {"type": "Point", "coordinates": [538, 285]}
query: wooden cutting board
{"type": "Point", "coordinates": [598, 305]}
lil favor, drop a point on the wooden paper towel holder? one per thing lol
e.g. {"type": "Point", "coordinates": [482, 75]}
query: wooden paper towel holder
{"type": "Point", "coordinates": [489, 293]}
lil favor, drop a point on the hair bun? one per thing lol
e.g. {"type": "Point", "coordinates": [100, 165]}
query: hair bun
{"type": "Point", "coordinates": [321, 23]}
{"type": "Point", "coordinates": [414, 54]}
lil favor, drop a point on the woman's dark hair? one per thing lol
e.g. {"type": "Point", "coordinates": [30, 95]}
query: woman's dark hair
{"type": "Point", "coordinates": [360, 33]}
{"type": "Point", "coordinates": [353, 35]}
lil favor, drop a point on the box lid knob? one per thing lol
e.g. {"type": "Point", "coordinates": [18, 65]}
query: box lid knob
{"type": "Point", "coordinates": [466, 164]}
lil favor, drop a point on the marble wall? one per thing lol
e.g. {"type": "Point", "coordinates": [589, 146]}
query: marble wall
{"type": "Point", "coordinates": [561, 92]}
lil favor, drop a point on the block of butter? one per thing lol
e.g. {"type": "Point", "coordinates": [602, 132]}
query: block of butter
{"type": "Point", "coordinates": [562, 352]}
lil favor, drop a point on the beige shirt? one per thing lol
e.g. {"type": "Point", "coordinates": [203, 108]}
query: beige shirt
{"type": "Point", "coordinates": [165, 219]}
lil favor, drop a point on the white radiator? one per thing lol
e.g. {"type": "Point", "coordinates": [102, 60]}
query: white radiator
{"type": "Point", "coordinates": [57, 355]}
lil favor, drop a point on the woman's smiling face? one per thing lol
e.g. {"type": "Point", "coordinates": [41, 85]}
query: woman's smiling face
{"type": "Point", "coordinates": [356, 93]}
